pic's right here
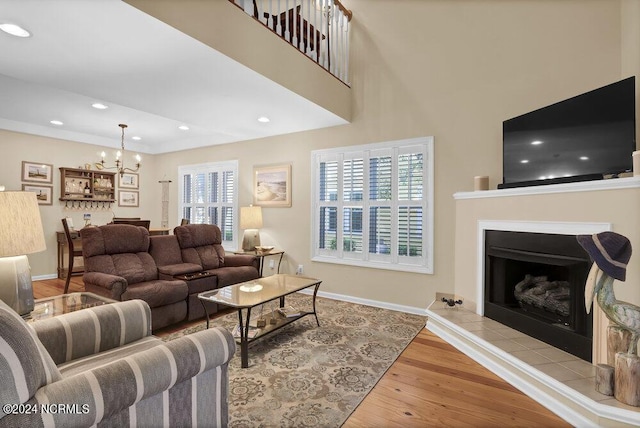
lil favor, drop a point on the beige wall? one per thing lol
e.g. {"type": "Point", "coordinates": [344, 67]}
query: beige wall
{"type": "Point", "coordinates": [16, 147]}
{"type": "Point", "coordinates": [451, 69]}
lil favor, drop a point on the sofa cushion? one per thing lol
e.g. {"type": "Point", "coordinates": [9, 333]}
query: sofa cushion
{"type": "Point", "coordinates": [165, 250]}
{"type": "Point", "coordinates": [120, 238]}
{"type": "Point", "coordinates": [25, 365]}
{"type": "Point", "coordinates": [158, 292]}
{"type": "Point", "coordinates": [136, 267]}
{"type": "Point", "coordinates": [201, 244]}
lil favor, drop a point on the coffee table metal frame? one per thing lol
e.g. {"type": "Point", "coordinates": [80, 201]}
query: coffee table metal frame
{"type": "Point", "coordinates": [271, 288]}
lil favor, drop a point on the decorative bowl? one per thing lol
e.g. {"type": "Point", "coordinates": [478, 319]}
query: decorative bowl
{"type": "Point", "coordinates": [264, 249]}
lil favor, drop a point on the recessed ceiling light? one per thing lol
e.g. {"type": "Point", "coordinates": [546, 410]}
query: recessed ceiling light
{"type": "Point", "coordinates": [56, 122]}
{"type": "Point", "coordinates": [99, 106]}
{"type": "Point", "coordinates": [264, 119]}
{"type": "Point", "coordinates": [524, 161]}
{"type": "Point", "coordinates": [183, 127]}
{"type": "Point", "coordinates": [536, 143]}
{"type": "Point", "coordinates": [584, 158]}
{"type": "Point", "coordinates": [136, 138]}
{"type": "Point", "coordinates": [14, 30]}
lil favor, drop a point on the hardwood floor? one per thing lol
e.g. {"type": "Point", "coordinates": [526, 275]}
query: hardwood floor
{"type": "Point", "coordinates": [431, 384]}
{"type": "Point", "coordinates": [434, 384]}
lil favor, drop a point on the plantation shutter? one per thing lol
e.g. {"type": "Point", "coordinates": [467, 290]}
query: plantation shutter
{"type": "Point", "coordinates": [372, 205]}
{"type": "Point", "coordinates": [208, 197]}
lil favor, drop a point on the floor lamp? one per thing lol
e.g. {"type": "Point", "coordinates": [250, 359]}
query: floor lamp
{"type": "Point", "coordinates": [20, 234]}
{"type": "Point", "coordinates": [250, 221]}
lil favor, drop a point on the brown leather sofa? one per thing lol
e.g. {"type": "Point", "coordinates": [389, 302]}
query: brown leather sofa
{"type": "Point", "coordinates": [118, 265]}
{"type": "Point", "coordinates": [195, 254]}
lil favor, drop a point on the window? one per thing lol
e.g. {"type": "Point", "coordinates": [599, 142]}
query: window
{"type": "Point", "coordinates": [373, 205]}
{"type": "Point", "coordinates": [208, 195]}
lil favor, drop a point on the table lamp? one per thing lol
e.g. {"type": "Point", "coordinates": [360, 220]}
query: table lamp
{"type": "Point", "coordinates": [20, 234]}
{"type": "Point", "coordinates": [250, 221]}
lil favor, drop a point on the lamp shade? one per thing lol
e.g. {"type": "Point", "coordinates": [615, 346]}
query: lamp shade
{"type": "Point", "coordinates": [20, 224]}
{"type": "Point", "coordinates": [250, 217]}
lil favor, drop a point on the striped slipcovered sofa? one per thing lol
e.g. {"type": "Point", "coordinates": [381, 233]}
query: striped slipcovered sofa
{"type": "Point", "coordinates": [101, 366]}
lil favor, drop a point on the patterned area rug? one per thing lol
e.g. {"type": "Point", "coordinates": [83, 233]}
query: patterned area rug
{"type": "Point", "coordinates": [308, 376]}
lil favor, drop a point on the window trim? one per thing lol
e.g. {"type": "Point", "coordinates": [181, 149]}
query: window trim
{"type": "Point", "coordinates": [368, 259]}
{"type": "Point", "coordinates": [207, 167]}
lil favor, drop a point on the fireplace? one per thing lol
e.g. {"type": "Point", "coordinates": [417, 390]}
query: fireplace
{"type": "Point", "coordinates": [534, 283]}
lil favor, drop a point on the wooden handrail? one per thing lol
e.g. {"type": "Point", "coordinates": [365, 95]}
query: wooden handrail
{"type": "Point", "coordinates": [344, 10]}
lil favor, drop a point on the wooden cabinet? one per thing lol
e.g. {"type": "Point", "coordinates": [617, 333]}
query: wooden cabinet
{"type": "Point", "coordinates": [87, 185]}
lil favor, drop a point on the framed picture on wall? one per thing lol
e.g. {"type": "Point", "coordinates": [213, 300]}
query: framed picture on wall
{"type": "Point", "coordinates": [128, 180]}
{"type": "Point", "coordinates": [272, 186]}
{"type": "Point", "coordinates": [127, 198]}
{"type": "Point", "coordinates": [43, 193]}
{"type": "Point", "coordinates": [37, 172]}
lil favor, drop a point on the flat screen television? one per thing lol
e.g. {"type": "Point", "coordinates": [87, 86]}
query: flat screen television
{"type": "Point", "coordinates": [582, 138]}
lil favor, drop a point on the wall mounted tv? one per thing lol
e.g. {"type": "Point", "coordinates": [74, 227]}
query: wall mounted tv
{"type": "Point", "coordinates": [583, 138]}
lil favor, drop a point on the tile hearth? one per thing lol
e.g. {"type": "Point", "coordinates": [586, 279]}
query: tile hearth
{"type": "Point", "coordinates": [560, 371]}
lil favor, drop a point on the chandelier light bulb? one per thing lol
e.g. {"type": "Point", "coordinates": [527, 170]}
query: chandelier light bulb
{"type": "Point", "coordinates": [119, 164]}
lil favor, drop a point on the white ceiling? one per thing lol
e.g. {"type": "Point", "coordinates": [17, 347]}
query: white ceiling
{"type": "Point", "coordinates": [153, 78]}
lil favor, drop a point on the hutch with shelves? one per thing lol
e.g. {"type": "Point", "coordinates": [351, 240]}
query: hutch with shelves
{"type": "Point", "coordinates": [84, 186]}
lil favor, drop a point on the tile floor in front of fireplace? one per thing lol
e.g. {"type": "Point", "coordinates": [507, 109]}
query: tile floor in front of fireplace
{"type": "Point", "coordinates": [574, 372]}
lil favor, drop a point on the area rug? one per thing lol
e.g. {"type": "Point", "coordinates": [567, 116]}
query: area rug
{"type": "Point", "coordinates": [308, 376]}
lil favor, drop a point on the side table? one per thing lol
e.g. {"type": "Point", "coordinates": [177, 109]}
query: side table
{"type": "Point", "coordinates": [261, 255]}
{"type": "Point", "coordinates": [49, 307]}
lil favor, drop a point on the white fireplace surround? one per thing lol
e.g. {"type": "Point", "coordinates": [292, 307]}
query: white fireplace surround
{"type": "Point", "coordinates": [562, 209]}
{"type": "Point", "coordinates": [554, 228]}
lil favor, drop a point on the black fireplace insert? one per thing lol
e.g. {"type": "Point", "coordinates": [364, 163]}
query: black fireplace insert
{"type": "Point", "coordinates": [534, 283]}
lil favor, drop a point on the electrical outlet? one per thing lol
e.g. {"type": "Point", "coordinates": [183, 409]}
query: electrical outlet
{"type": "Point", "coordinates": [272, 264]}
{"type": "Point", "coordinates": [300, 270]}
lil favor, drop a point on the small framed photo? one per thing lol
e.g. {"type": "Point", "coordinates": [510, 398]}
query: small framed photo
{"type": "Point", "coordinates": [43, 193]}
{"type": "Point", "coordinates": [128, 180]}
{"type": "Point", "coordinates": [37, 172]}
{"type": "Point", "coordinates": [127, 198]}
{"type": "Point", "coordinates": [272, 186]}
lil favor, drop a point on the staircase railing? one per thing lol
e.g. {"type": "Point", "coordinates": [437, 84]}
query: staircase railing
{"type": "Point", "coordinates": [317, 28]}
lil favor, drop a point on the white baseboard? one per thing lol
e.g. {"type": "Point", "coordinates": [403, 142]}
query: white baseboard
{"type": "Point", "coordinates": [43, 277]}
{"type": "Point", "coordinates": [375, 303]}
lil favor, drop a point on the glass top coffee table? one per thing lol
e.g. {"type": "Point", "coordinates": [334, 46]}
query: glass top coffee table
{"type": "Point", "coordinates": [248, 295]}
{"type": "Point", "coordinates": [53, 306]}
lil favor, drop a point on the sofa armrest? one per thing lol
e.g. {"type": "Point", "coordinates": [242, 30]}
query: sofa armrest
{"type": "Point", "coordinates": [234, 260]}
{"type": "Point", "coordinates": [115, 284]}
{"type": "Point", "coordinates": [125, 382]}
{"type": "Point", "coordinates": [179, 269]}
{"type": "Point", "coordinates": [92, 330]}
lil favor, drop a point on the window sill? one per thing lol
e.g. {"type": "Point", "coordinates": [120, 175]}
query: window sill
{"type": "Point", "coordinates": [375, 265]}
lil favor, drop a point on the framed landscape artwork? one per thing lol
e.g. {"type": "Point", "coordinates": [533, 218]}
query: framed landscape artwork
{"type": "Point", "coordinates": [128, 198]}
{"type": "Point", "coordinates": [37, 172]}
{"type": "Point", "coordinates": [272, 186]}
{"type": "Point", "coordinates": [43, 193]}
{"type": "Point", "coordinates": [128, 180]}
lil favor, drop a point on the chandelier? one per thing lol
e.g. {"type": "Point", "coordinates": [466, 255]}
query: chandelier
{"type": "Point", "coordinates": [119, 166]}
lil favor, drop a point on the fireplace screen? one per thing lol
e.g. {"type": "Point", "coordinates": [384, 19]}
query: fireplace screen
{"type": "Point", "coordinates": [534, 283]}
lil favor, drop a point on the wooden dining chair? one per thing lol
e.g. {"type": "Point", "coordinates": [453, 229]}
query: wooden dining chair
{"type": "Point", "coordinates": [73, 253]}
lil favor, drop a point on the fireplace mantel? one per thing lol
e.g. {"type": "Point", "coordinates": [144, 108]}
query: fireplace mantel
{"type": "Point", "coordinates": [582, 186]}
